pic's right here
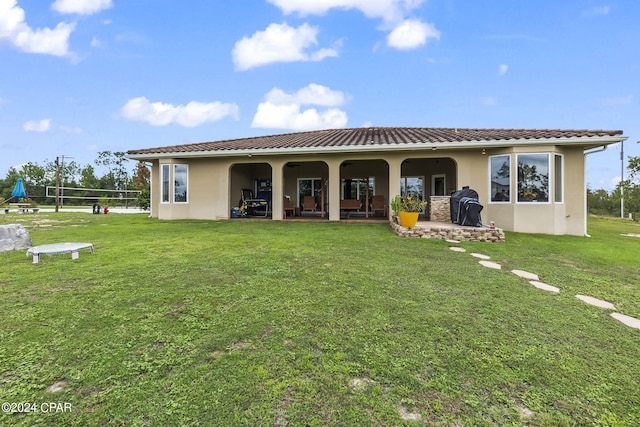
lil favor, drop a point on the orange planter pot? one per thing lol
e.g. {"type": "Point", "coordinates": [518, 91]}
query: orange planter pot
{"type": "Point", "coordinates": [408, 219]}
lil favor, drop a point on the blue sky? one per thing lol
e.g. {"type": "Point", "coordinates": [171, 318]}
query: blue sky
{"type": "Point", "coordinates": [82, 76]}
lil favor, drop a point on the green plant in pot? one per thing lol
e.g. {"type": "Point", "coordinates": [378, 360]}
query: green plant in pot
{"type": "Point", "coordinates": [408, 209]}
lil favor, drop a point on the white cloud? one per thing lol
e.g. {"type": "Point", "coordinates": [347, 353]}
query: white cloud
{"type": "Point", "coordinates": [597, 11]}
{"type": "Point", "coordinates": [502, 69]}
{"type": "Point", "coordinates": [40, 126]}
{"type": "Point", "coordinates": [405, 33]}
{"type": "Point", "coordinates": [284, 111]}
{"type": "Point", "coordinates": [313, 94]}
{"type": "Point", "coordinates": [190, 115]}
{"type": "Point", "coordinates": [389, 10]}
{"type": "Point", "coordinates": [488, 101]}
{"type": "Point", "coordinates": [15, 30]}
{"type": "Point", "coordinates": [74, 130]}
{"type": "Point", "coordinates": [412, 33]}
{"type": "Point", "coordinates": [81, 7]}
{"type": "Point", "coordinates": [95, 42]}
{"type": "Point", "coordinates": [279, 43]}
{"type": "Point", "coordinates": [617, 100]}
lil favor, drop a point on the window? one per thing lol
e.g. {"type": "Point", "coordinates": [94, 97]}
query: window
{"type": "Point", "coordinates": [533, 178]}
{"type": "Point", "coordinates": [310, 187]}
{"type": "Point", "coordinates": [500, 178]}
{"type": "Point", "coordinates": [356, 188]}
{"type": "Point", "coordinates": [412, 186]}
{"type": "Point", "coordinates": [164, 197]}
{"type": "Point", "coordinates": [180, 182]}
{"type": "Point", "coordinates": [558, 182]}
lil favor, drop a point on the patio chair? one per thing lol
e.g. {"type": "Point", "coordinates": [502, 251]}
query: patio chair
{"type": "Point", "coordinates": [287, 206]}
{"type": "Point", "coordinates": [378, 203]}
{"type": "Point", "coordinates": [309, 203]}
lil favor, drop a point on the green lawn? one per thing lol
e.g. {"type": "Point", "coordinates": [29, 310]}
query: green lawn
{"type": "Point", "coordinates": [294, 324]}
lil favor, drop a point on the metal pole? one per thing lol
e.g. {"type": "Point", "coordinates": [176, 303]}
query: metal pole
{"type": "Point", "coordinates": [622, 179]}
{"type": "Point", "coordinates": [62, 189]}
{"type": "Point", "coordinates": [57, 183]}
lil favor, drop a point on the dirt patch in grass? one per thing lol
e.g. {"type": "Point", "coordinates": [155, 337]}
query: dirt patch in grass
{"type": "Point", "coordinates": [240, 345]}
{"type": "Point", "coordinates": [360, 383]}
{"type": "Point", "coordinates": [409, 416]}
{"type": "Point", "coordinates": [57, 387]}
{"type": "Point", "coordinates": [281, 411]}
{"type": "Point", "coordinates": [266, 333]}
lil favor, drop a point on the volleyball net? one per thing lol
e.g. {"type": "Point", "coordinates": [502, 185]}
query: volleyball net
{"type": "Point", "coordinates": [91, 194]}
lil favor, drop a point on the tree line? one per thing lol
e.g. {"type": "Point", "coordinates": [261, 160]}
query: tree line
{"type": "Point", "coordinates": [602, 202]}
{"type": "Point", "coordinates": [117, 176]}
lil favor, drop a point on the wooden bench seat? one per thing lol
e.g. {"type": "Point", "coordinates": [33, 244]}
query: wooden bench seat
{"type": "Point", "coordinates": [350, 204]}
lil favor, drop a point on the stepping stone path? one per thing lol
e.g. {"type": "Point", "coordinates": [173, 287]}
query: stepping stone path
{"type": "Point", "coordinates": [534, 280]}
{"type": "Point", "coordinates": [525, 274]}
{"type": "Point", "coordinates": [596, 302]}
{"type": "Point", "coordinates": [544, 286]}
{"type": "Point", "coordinates": [627, 320]}
{"type": "Point", "coordinates": [490, 264]}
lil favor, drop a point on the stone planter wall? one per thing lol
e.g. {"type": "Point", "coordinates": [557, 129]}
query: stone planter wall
{"type": "Point", "coordinates": [451, 232]}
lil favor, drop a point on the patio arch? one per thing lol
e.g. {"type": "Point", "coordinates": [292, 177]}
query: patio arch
{"type": "Point", "coordinates": [429, 168]}
{"type": "Point", "coordinates": [361, 180]}
{"type": "Point", "coordinates": [307, 178]}
{"type": "Point", "coordinates": [254, 176]}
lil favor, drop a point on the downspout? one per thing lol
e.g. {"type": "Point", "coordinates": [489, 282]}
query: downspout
{"type": "Point", "coordinates": [586, 153]}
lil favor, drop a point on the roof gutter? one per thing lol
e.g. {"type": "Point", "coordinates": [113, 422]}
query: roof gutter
{"type": "Point", "coordinates": [597, 141]}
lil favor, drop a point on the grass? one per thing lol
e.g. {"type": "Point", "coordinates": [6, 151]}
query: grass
{"type": "Point", "coordinates": [285, 324]}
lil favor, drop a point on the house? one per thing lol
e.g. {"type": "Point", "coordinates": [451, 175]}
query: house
{"type": "Point", "coordinates": [529, 180]}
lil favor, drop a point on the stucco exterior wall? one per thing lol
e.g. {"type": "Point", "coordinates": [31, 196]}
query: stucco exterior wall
{"type": "Point", "coordinates": [208, 188]}
{"type": "Point", "coordinates": [214, 183]}
{"type": "Point", "coordinates": [563, 217]}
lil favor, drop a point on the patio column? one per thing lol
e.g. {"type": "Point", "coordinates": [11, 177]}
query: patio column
{"type": "Point", "coordinates": [334, 189]}
{"type": "Point", "coordinates": [395, 175]}
{"type": "Point", "coordinates": [277, 189]}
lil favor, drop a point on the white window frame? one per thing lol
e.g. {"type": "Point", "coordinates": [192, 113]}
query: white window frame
{"type": "Point", "coordinates": [403, 183]}
{"type": "Point", "coordinates": [165, 177]}
{"type": "Point", "coordinates": [371, 182]}
{"type": "Point", "coordinates": [549, 177]}
{"type": "Point", "coordinates": [186, 184]}
{"type": "Point", "coordinates": [510, 198]}
{"type": "Point", "coordinates": [313, 188]}
{"type": "Point", "coordinates": [444, 184]}
{"type": "Point", "coordinates": [558, 181]}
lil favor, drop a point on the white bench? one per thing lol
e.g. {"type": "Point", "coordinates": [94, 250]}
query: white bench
{"type": "Point", "coordinates": [22, 208]}
{"type": "Point", "coordinates": [58, 248]}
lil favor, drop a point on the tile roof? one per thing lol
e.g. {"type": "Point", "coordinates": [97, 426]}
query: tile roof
{"type": "Point", "coordinates": [382, 137]}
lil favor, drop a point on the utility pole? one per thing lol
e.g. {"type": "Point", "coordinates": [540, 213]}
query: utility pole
{"type": "Point", "coordinates": [63, 177]}
{"type": "Point", "coordinates": [57, 183]}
